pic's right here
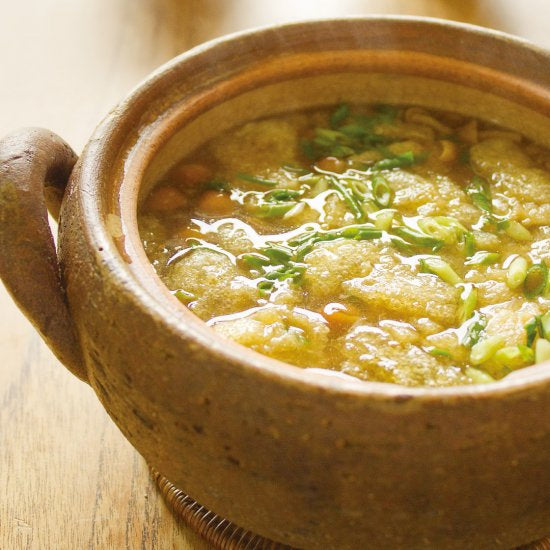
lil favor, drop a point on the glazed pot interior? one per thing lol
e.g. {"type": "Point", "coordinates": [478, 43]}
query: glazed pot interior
{"type": "Point", "coordinates": [172, 127]}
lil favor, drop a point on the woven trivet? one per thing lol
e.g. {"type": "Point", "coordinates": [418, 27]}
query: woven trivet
{"type": "Point", "coordinates": [224, 535]}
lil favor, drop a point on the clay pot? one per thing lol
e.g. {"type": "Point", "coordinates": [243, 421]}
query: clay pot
{"type": "Point", "coordinates": [294, 455]}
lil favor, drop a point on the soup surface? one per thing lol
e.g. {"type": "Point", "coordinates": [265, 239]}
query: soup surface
{"type": "Point", "coordinates": [389, 244]}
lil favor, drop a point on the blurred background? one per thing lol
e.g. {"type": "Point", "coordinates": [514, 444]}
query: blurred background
{"type": "Point", "coordinates": [68, 479]}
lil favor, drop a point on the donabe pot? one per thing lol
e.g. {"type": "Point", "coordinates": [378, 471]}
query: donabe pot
{"type": "Point", "coordinates": [294, 455]}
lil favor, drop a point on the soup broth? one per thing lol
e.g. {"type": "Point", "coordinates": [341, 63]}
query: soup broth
{"type": "Point", "coordinates": [390, 244]}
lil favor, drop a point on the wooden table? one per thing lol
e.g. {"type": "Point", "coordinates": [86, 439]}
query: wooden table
{"type": "Point", "coordinates": [68, 478]}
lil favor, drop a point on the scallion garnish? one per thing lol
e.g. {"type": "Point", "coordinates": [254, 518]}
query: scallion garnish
{"type": "Point", "coordinates": [184, 297]}
{"type": "Point", "coordinates": [383, 219]}
{"type": "Point", "coordinates": [403, 245]}
{"type": "Point", "coordinates": [532, 329]}
{"type": "Point", "coordinates": [295, 169]}
{"type": "Point", "coordinates": [542, 351]}
{"type": "Point", "coordinates": [277, 253]}
{"type": "Point", "coordinates": [468, 303]}
{"type": "Point", "coordinates": [445, 228]}
{"type": "Point", "coordinates": [469, 244]}
{"type": "Point", "coordinates": [480, 193]}
{"type": "Point", "coordinates": [265, 288]}
{"type": "Point", "coordinates": [348, 197]}
{"type": "Point", "coordinates": [478, 376]}
{"type": "Point", "coordinates": [381, 191]}
{"type": "Point", "coordinates": [484, 349]}
{"type": "Point", "coordinates": [438, 352]}
{"type": "Point", "coordinates": [420, 239]}
{"type": "Point", "coordinates": [517, 271]}
{"type": "Point", "coordinates": [483, 258]}
{"type": "Point", "coordinates": [255, 260]}
{"type": "Point", "coordinates": [545, 325]}
{"type": "Point", "coordinates": [535, 280]}
{"type": "Point", "coordinates": [282, 195]}
{"type": "Point", "coordinates": [441, 268]}
{"type": "Point", "coordinates": [257, 179]}
{"type": "Point", "coordinates": [399, 161]}
{"type": "Point", "coordinates": [274, 209]}
{"type": "Point", "coordinates": [339, 115]}
{"type": "Point", "coordinates": [476, 327]}
{"type": "Point", "coordinates": [517, 231]}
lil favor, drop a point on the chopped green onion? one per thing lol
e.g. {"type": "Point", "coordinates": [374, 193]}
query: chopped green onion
{"type": "Point", "coordinates": [438, 352]}
{"type": "Point", "coordinates": [542, 351]}
{"type": "Point", "coordinates": [329, 135]}
{"type": "Point", "coordinates": [480, 193]}
{"type": "Point", "coordinates": [442, 227]}
{"type": "Point", "coordinates": [358, 132]}
{"type": "Point", "coordinates": [517, 271]}
{"type": "Point", "coordinates": [544, 325]}
{"type": "Point", "coordinates": [359, 188]}
{"type": "Point", "coordinates": [469, 244]}
{"type": "Point", "coordinates": [349, 198]}
{"type": "Point", "coordinates": [527, 353]}
{"type": "Point", "coordinates": [183, 296]}
{"type": "Point", "coordinates": [295, 169]}
{"type": "Point", "coordinates": [265, 288]}
{"type": "Point", "coordinates": [273, 209]}
{"type": "Point", "coordinates": [512, 356]}
{"type": "Point", "coordinates": [302, 238]}
{"type": "Point", "coordinates": [441, 268]}
{"type": "Point", "coordinates": [485, 349]}
{"type": "Point", "coordinates": [298, 208]}
{"type": "Point", "coordinates": [517, 231]}
{"type": "Point", "coordinates": [257, 179]}
{"type": "Point", "coordinates": [448, 221]}
{"type": "Point", "coordinates": [535, 280]}
{"type": "Point", "coordinates": [358, 232]}
{"type": "Point", "coordinates": [368, 233]}
{"type": "Point", "coordinates": [332, 142]}
{"type": "Point", "coordinates": [420, 239]}
{"type": "Point", "coordinates": [339, 115]}
{"type": "Point", "coordinates": [381, 191]}
{"type": "Point", "coordinates": [501, 224]}
{"type": "Point", "coordinates": [532, 328]}
{"type": "Point", "coordinates": [277, 253]}
{"type": "Point", "coordinates": [290, 271]}
{"type": "Point", "coordinates": [255, 260]}
{"type": "Point", "coordinates": [468, 303]}
{"type": "Point", "coordinates": [399, 161]}
{"type": "Point", "coordinates": [305, 248]}
{"type": "Point", "coordinates": [403, 245]}
{"type": "Point", "coordinates": [478, 376]}
{"type": "Point", "coordinates": [383, 219]}
{"type": "Point", "coordinates": [483, 258]}
{"type": "Point", "coordinates": [476, 327]}
{"type": "Point", "coordinates": [282, 195]}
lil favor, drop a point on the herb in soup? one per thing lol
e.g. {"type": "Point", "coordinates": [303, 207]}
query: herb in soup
{"type": "Point", "coordinates": [392, 244]}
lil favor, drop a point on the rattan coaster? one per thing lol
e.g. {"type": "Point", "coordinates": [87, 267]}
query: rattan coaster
{"type": "Point", "coordinates": [218, 532]}
{"type": "Point", "coordinates": [224, 535]}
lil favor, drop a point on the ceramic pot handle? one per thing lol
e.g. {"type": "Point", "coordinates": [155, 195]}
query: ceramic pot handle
{"type": "Point", "coordinates": [35, 166]}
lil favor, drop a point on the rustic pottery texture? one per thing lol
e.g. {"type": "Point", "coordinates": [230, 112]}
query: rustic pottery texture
{"type": "Point", "coordinates": [324, 463]}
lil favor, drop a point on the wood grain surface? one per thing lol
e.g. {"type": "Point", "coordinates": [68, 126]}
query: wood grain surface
{"type": "Point", "coordinates": [68, 478]}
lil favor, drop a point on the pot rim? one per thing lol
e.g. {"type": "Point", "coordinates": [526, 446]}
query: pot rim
{"type": "Point", "coordinates": [96, 169]}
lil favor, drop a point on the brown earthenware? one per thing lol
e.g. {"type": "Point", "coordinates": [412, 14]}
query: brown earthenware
{"type": "Point", "coordinates": [299, 457]}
